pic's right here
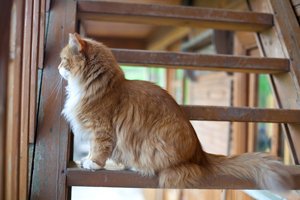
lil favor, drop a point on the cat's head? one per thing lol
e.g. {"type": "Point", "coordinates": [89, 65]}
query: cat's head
{"type": "Point", "coordinates": [85, 58]}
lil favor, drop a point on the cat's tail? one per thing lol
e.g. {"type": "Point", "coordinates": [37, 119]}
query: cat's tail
{"type": "Point", "coordinates": [262, 169]}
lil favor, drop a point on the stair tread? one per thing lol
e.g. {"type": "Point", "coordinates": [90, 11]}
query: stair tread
{"type": "Point", "coordinates": [174, 15]}
{"type": "Point", "coordinates": [125, 178]}
{"type": "Point", "coordinates": [241, 114]}
{"type": "Point", "coordinates": [196, 61]}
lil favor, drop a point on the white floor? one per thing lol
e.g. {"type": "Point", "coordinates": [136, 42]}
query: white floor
{"type": "Point", "coordinates": [93, 193]}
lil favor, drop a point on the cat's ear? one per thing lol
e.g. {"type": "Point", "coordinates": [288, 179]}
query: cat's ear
{"type": "Point", "coordinates": [76, 43]}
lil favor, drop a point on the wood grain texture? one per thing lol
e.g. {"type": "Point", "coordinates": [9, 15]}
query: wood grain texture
{"type": "Point", "coordinates": [173, 15]}
{"type": "Point", "coordinates": [14, 91]}
{"type": "Point", "coordinates": [241, 114]}
{"type": "Point", "coordinates": [42, 27]}
{"type": "Point", "coordinates": [253, 102]}
{"type": "Point", "coordinates": [201, 62]}
{"type": "Point", "coordinates": [123, 43]}
{"type": "Point", "coordinates": [295, 2]}
{"type": "Point", "coordinates": [240, 98]}
{"type": "Point", "coordinates": [5, 16]}
{"type": "Point", "coordinates": [106, 178]}
{"type": "Point", "coordinates": [35, 57]}
{"type": "Point", "coordinates": [288, 27]}
{"type": "Point", "coordinates": [283, 41]}
{"type": "Point", "coordinates": [25, 99]}
{"type": "Point", "coordinates": [51, 153]}
{"type": "Point", "coordinates": [297, 10]}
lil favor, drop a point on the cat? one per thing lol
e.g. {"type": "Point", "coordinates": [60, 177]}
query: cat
{"type": "Point", "coordinates": [139, 125]}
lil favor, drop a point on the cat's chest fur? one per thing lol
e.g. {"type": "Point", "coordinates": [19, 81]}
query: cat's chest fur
{"type": "Point", "coordinates": [72, 107]}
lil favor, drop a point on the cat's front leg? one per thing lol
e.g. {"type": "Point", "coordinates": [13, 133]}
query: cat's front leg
{"type": "Point", "coordinates": [88, 163]}
{"type": "Point", "coordinates": [101, 146]}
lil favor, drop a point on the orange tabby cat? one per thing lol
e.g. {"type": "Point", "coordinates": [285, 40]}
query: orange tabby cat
{"type": "Point", "coordinates": [138, 124]}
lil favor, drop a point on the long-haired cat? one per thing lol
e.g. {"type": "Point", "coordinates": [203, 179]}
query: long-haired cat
{"type": "Point", "coordinates": [138, 124]}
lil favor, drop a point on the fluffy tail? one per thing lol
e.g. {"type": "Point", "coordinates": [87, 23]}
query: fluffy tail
{"type": "Point", "coordinates": [262, 169]}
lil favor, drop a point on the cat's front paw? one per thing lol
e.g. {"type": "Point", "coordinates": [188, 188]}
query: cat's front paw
{"type": "Point", "coordinates": [89, 164]}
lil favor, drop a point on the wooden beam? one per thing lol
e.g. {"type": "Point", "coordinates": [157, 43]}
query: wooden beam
{"type": "Point", "coordinates": [163, 37]}
{"type": "Point", "coordinates": [198, 42]}
{"type": "Point", "coordinates": [107, 178]}
{"type": "Point", "coordinates": [201, 62]}
{"type": "Point", "coordinates": [241, 114]}
{"type": "Point", "coordinates": [5, 22]}
{"type": "Point", "coordinates": [48, 178]}
{"type": "Point", "coordinates": [174, 15]}
{"type": "Point", "coordinates": [123, 43]}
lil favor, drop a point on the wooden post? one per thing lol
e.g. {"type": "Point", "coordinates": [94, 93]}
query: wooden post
{"type": "Point", "coordinates": [14, 103]}
{"type": "Point", "coordinates": [25, 101]}
{"type": "Point", "coordinates": [253, 99]}
{"type": "Point", "coordinates": [51, 153]}
{"type": "Point", "coordinates": [252, 127]}
{"type": "Point", "coordinates": [275, 140]}
{"type": "Point", "coordinates": [240, 98]}
{"type": "Point", "coordinates": [240, 129]}
{"type": "Point", "coordinates": [36, 57]}
{"type": "Point", "coordinates": [5, 15]}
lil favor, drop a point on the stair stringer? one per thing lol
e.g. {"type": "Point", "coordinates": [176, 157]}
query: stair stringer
{"type": "Point", "coordinates": [285, 86]}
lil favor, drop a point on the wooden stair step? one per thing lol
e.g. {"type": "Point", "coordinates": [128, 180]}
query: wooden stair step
{"type": "Point", "coordinates": [125, 178]}
{"type": "Point", "coordinates": [174, 15]}
{"type": "Point", "coordinates": [201, 62]}
{"type": "Point", "coordinates": [241, 114]}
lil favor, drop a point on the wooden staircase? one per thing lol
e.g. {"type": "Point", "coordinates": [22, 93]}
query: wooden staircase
{"type": "Point", "coordinates": [54, 182]}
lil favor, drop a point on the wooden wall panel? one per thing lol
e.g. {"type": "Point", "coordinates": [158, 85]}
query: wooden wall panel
{"type": "Point", "coordinates": [212, 89]}
{"type": "Point", "coordinates": [51, 154]}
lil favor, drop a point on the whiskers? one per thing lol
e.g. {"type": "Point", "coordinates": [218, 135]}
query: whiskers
{"type": "Point", "coordinates": [56, 89]}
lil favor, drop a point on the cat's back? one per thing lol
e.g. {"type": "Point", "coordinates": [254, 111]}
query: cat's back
{"type": "Point", "coordinates": [145, 95]}
{"type": "Point", "coordinates": [144, 90]}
